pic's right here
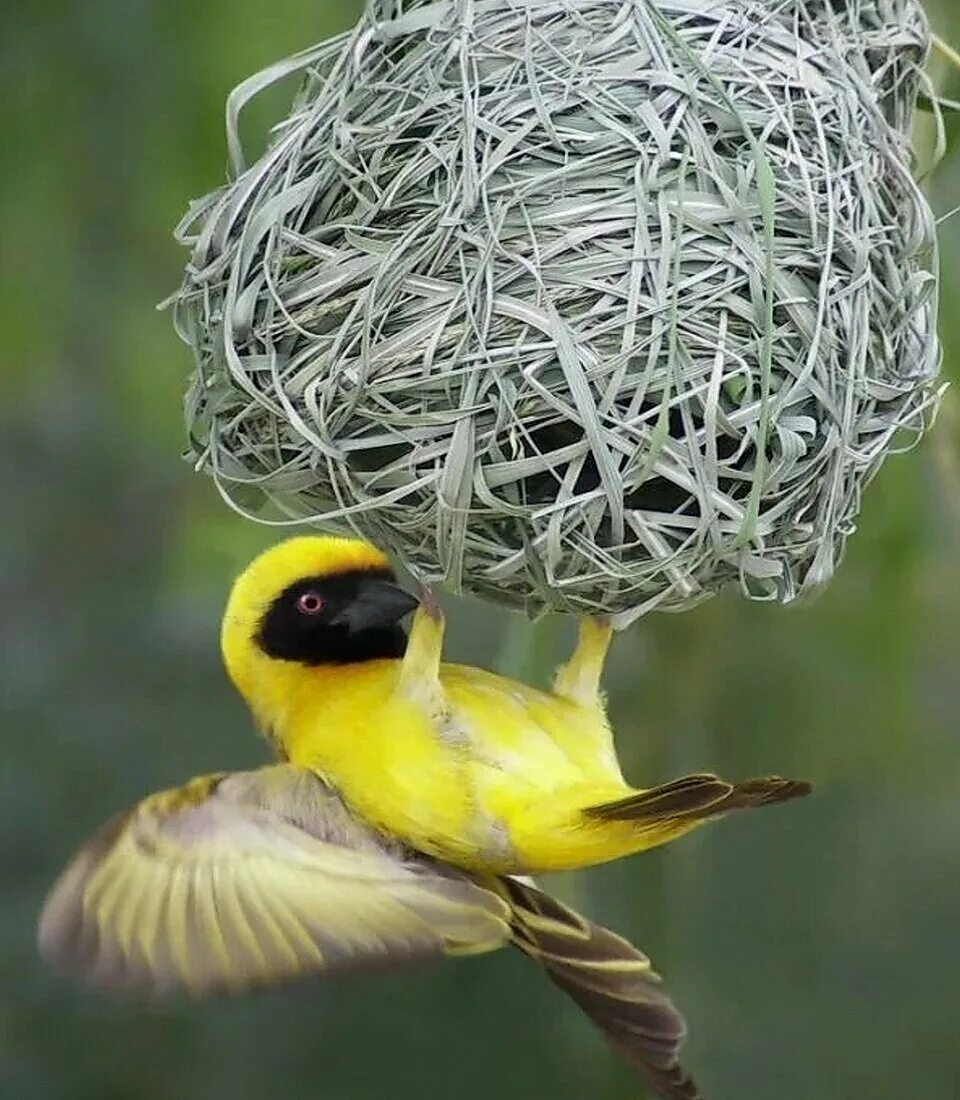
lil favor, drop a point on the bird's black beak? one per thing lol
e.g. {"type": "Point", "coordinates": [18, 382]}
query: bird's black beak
{"type": "Point", "coordinates": [379, 602]}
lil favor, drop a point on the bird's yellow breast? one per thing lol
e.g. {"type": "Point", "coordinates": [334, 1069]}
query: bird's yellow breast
{"type": "Point", "coordinates": [450, 783]}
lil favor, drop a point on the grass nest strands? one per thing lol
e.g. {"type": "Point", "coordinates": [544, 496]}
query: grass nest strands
{"type": "Point", "coordinates": [593, 306]}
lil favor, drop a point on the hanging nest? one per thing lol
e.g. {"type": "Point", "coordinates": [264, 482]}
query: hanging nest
{"type": "Point", "coordinates": [591, 306]}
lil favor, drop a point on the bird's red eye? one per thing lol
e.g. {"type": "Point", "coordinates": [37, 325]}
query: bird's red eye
{"type": "Point", "coordinates": [310, 603]}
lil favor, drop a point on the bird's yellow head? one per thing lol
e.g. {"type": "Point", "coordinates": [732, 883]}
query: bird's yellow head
{"type": "Point", "coordinates": [311, 601]}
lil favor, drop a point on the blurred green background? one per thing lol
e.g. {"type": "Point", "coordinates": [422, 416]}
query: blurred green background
{"type": "Point", "coordinates": [815, 950]}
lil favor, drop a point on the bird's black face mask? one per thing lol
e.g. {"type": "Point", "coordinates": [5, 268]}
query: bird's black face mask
{"type": "Point", "coordinates": [339, 619]}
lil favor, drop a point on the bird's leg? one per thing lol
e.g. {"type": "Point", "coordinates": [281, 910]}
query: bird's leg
{"type": "Point", "coordinates": [420, 667]}
{"type": "Point", "coordinates": [579, 679]}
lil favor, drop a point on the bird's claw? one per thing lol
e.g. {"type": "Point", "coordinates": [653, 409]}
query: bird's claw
{"type": "Point", "coordinates": [430, 604]}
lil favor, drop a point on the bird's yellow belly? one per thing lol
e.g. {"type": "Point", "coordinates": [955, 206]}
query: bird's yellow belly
{"type": "Point", "coordinates": [458, 785]}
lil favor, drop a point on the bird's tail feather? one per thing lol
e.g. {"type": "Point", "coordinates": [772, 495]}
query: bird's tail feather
{"type": "Point", "coordinates": [694, 798]}
{"type": "Point", "coordinates": [611, 981]}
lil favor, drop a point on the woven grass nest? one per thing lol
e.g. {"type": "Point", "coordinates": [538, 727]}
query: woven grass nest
{"type": "Point", "coordinates": [593, 305]}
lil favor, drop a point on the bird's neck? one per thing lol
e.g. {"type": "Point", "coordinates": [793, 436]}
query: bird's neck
{"type": "Point", "coordinates": [276, 689]}
{"type": "Point", "coordinates": [289, 699]}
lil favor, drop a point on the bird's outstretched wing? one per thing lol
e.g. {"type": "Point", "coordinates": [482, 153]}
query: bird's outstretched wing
{"type": "Point", "coordinates": [246, 879]}
{"type": "Point", "coordinates": [611, 981]}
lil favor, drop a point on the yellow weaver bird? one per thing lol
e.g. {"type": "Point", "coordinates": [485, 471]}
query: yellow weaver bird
{"type": "Point", "coordinates": [457, 762]}
{"type": "Point", "coordinates": [410, 795]}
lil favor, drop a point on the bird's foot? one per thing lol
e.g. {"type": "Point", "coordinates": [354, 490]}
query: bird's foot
{"type": "Point", "coordinates": [579, 679]}
{"type": "Point", "coordinates": [420, 667]}
{"type": "Point", "coordinates": [430, 604]}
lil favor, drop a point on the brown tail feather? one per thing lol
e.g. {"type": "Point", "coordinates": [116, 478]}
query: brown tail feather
{"type": "Point", "coordinates": [698, 797]}
{"type": "Point", "coordinates": [611, 982]}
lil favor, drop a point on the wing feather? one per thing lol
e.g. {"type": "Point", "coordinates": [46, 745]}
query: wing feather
{"type": "Point", "coordinates": [243, 880]}
{"type": "Point", "coordinates": [611, 981]}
